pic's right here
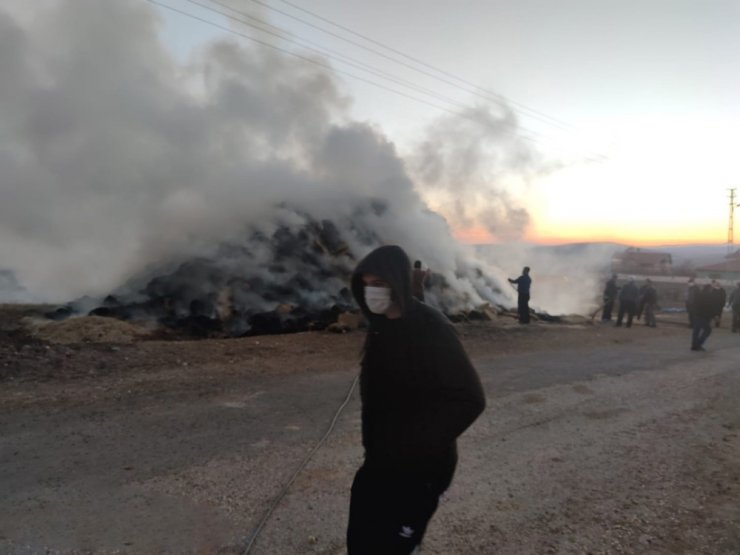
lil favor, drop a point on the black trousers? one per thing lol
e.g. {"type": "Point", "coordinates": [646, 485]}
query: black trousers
{"type": "Point", "coordinates": [523, 308]}
{"type": "Point", "coordinates": [702, 330]}
{"type": "Point", "coordinates": [388, 515]}
{"type": "Point", "coordinates": [628, 308]}
{"type": "Point", "coordinates": [608, 307]}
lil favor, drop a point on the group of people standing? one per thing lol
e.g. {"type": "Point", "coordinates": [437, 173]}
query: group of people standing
{"type": "Point", "coordinates": [634, 301]}
{"type": "Point", "coordinates": [704, 305]}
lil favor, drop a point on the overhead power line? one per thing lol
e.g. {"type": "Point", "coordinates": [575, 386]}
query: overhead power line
{"type": "Point", "coordinates": [260, 24]}
{"type": "Point", "coordinates": [295, 54]}
{"type": "Point", "coordinates": [314, 61]}
{"type": "Point", "coordinates": [478, 91]}
{"type": "Point", "coordinates": [731, 226]}
{"type": "Point", "coordinates": [469, 86]}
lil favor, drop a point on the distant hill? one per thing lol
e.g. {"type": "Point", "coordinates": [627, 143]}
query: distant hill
{"type": "Point", "coordinates": [697, 255]}
{"type": "Point", "coordinates": [593, 256]}
{"type": "Point", "coordinates": [599, 255]}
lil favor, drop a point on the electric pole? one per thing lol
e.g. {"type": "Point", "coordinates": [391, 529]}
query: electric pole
{"type": "Point", "coordinates": [731, 227]}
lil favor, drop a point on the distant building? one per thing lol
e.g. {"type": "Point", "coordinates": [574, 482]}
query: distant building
{"type": "Point", "coordinates": [727, 270]}
{"type": "Point", "coordinates": [638, 261]}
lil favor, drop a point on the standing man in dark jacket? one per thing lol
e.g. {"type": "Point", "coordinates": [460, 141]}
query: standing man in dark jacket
{"type": "Point", "coordinates": [524, 283]}
{"type": "Point", "coordinates": [649, 302]}
{"type": "Point", "coordinates": [719, 298]}
{"type": "Point", "coordinates": [419, 392]}
{"type": "Point", "coordinates": [703, 313]}
{"type": "Point", "coordinates": [610, 295]}
{"type": "Point", "coordinates": [628, 302]}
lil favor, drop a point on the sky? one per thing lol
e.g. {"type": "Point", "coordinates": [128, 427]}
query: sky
{"type": "Point", "coordinates": [133, 136]}
{"type": "Point", "coordinates": [631, 107]}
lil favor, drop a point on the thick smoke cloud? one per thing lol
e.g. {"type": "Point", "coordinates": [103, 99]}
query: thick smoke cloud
{"type": "Point", "coordinates": [112, 154]}
{"type": "Point", "coordinates": [566, 280]}
{"type": "Point", "coordinates": [468, 165]}
{"type": "Point", "coordinates": [117, 161]}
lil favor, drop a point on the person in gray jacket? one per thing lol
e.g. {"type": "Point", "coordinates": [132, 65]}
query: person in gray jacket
{"type": "Point", "coordinates": [628, 302]}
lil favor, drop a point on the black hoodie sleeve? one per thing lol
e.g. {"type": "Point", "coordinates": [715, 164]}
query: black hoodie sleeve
{"type": "Point", "coordinates": [453, 392]}
{"type": "Point", "coordinates": [443, 398]}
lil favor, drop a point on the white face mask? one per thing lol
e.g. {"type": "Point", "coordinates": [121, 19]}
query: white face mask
{"type": "Point", "coordinates": [378, 299]}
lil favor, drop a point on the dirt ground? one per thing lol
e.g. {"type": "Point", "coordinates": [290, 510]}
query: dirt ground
{"type": "Point", "coordinates": [596, 439]}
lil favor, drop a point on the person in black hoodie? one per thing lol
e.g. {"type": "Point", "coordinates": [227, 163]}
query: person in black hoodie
{"type": "Point", "coordinates": [419, 392]}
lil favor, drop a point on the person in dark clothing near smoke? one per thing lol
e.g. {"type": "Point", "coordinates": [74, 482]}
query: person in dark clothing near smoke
{"type": "Point", "coordinates": [719, 298]}
{"type": "Point", "coordinates": [703, 313]}
{"type": "Point", "coordinates": [610, 295]}
{"type": "Point", "coordinates": [419, 392]}
{"type": "Point", "coordinates": [628, 302]}
{"type": "Point", "coordinates": [649, 302]}
{"type": "Point", "coordinates": [418, 281]}
{"type": "Point", "coordinates": [524, 283]}
{"type": "Point", "coordinates": [691, 294]}
{"type": "Point", "coordinates": [641, 300]}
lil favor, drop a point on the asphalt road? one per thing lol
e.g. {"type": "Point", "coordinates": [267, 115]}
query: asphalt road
{"type": "Point", "coordinates": [194, 471]}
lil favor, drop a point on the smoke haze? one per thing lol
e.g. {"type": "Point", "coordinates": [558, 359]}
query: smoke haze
{"type": "Point", "coordinates": [116, 160]}
{"type": "Point", "coordinates": [467, 166]}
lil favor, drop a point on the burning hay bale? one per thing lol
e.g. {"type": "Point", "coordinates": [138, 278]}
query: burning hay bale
{"type": "Point", "coordinates": [347, 321]}
{"type": "Point", "coordinates": [291, 279]}
{"type": "Point", "coordinates": [86, 329]}
{"type": "Point", "coordinates": [575, 319]}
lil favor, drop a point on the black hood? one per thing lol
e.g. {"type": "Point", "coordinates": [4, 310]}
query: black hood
{"type": "Point", "coordinates": [391, 264]}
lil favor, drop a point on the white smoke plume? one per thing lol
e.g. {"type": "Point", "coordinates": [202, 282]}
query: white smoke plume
{"type": "Point", "coordinates": [468, 165]}
{"type": "Point", "coordinates": [117, 160]}
{"type": "Point", "coordinates": [567, 279]}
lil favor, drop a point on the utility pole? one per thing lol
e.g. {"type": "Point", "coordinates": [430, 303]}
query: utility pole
{"type": "Point", "coordinates": [731, 227]}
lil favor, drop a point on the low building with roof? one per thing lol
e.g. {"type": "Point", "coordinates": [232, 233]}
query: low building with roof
{"type": "Point", "coordinates": [639, 261]}
{"type": "Point", "coordinates": [727, 270]}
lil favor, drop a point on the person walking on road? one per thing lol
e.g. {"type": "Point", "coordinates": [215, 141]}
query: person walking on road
{"type": "Point", "coordinates": [610, 295]}
{"type": "Point", "coordinates": [628, 302]}
{"type": "Point", "coordinates": [523, 283]}
{"type": "Point", "coordinates": [734, 304]}
{"type": "Point", "coordinates": [704, 311]}
{"type": "Point", "coordinates": [419, 392]}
